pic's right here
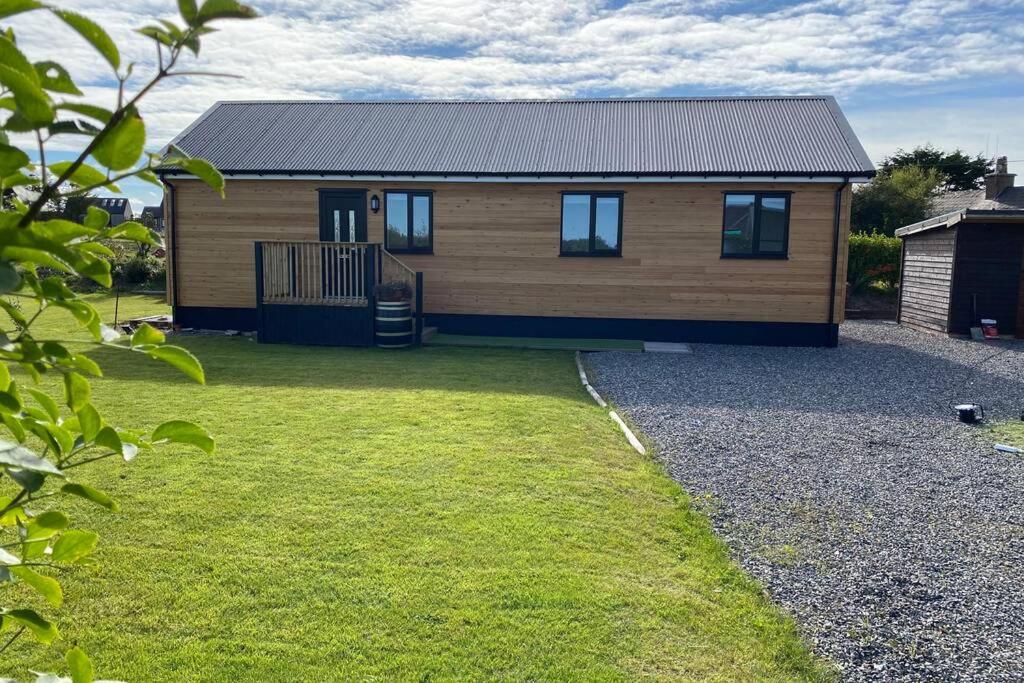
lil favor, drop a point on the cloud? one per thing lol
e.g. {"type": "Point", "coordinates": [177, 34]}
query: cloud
{"type": "Point", "coordinates": [860, 50]}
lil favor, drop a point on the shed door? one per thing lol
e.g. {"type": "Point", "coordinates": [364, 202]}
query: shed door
{"type": "Point", "coordinates": [342, 216]}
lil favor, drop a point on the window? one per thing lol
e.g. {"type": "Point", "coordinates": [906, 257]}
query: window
{"type": "Point", "coordinates": [591, 224]}
{"type": "Point", "coordinates": [755, 225]}
{"type": "Point", "coordinates": [409, 217]}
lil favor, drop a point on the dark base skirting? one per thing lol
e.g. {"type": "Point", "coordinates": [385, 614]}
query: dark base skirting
{"type": "Point", "coordinates": [316, 325]}
{"type": "Point", "coordinates": [216, 318]}
{"type": "Point", "coordinates": [696, 331]}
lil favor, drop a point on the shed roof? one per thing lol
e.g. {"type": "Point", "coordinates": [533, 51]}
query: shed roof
{"type": "Point", "coordinates": [969, 205]}
{"type": "Point", "coordinates": [764, 136]}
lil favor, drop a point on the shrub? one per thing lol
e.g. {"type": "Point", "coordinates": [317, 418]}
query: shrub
{"type": "Point", "coordinates": [394, 291]}
{"type": "Point", "coordinates": [874, 257]}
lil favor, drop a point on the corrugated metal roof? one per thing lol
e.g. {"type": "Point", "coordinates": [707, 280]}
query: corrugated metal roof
{"type": "Point", "coordinates": [695, 136]}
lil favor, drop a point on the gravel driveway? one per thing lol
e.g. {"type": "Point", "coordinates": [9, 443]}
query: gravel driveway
{"type": "Point", "coordinates": [841, 480]}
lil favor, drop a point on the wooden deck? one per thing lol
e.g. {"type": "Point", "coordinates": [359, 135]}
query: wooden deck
{"type": "Point", "coordinates": [322, 293]}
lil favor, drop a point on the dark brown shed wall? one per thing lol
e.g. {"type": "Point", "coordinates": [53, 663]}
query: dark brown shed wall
{"type": "Point", "coordinates": [925, 282]}
{"type": "Point", "coordinates": [988, 264]}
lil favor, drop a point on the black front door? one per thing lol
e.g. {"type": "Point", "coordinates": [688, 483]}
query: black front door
{"type": "Point", "coordinates": [342, 215]}
{"type": "Point", "coordinates": [342, 219]}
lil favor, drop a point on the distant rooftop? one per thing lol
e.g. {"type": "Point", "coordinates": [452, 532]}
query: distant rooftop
{"type": "Point", "coordinates": [111, 204]}
{"type": "Point", "coordinates": [761, 136]}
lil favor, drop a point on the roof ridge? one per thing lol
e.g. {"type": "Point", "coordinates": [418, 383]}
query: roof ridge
{"type": "Point", "coordinates": [568, 100]}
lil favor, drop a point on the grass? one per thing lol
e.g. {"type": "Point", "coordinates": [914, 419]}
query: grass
{"type": "Point", "coordinates": [439, 513]}
{"type": "Point", "coordinates": [537, 343]}
{"type": "Point", "coordinates": [1010, 433]}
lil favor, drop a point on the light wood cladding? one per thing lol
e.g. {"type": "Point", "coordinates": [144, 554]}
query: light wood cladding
{"type": "Point", "coordinates": [496, 250]}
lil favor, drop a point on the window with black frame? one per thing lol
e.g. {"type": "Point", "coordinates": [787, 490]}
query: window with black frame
{"type": "Point", "coordinates": [409, 217]}
{"type": "Point", "coordinates": [591, 224]}
{"type": "Point", "coordinates": [755, 225]}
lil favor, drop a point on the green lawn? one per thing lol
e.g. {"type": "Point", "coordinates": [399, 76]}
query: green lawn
{"type": "Point", "coordinates": [1010, 433]}
{"type": "Point", "coordinates": [439, 513]}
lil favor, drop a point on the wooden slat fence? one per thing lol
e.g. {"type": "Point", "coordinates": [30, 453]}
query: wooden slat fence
{"type": "Point", "coordinates": [316, 273]}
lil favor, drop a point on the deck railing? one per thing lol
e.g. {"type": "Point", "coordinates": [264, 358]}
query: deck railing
{"type": "Point", "coordinates": [393, 270]}
{"type": "Point", "coordinates": [316, 273]}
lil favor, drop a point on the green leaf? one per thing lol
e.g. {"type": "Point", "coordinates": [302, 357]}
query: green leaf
{"type": "Point", "coordinates": [147, 334]}
{"type": "Point", "coordinates": [180, 431]}
{"type": "Point", "coordinates": [74, 546]}
{"type": "Point", "coordinates": [76, 390]}
{"type": "Point", "coordinates": [188, 10]}
{"type": "Point", "coordinates": [89, 421]}
{"type": "Point", "coordinates": [91, 494]}
{"type": "Point", "coordinates": [156, 33]}
{"type": "Point", "coordinates": [55, 78]}
{"type": "Point", "coordinates": [47, 403]}
{"type": "Point", "coordinates": [99, 113]}
{"type": "Point", "coordinates": [181, 359]}
{"type": "Point", "coordinates": [108, 438]}
{"type": "Point", "coordinates": [205, 171]}
{"type": "Point", "coordinates": [44, 631]}
{"type": "Point", "coordinates": [15, 455]}
{"type": "Point", "coordinates": [33, 105]}
{"type": "Point", "coordinates": [122, 146]}
{"type": "Point", "coordinates": [131, 230]}
{"type": "Point", "coordinates": [96, 218]}
{"type": "Point", "coordinates": [11, 159]}
{"type": "Point", "coordinates": [83, 176]}
{"type": "Point", "coordinates": [46, 586]}
{"type": "Point", "coordinates": [47, 525]}
{"type": "Point", "coordinates": [17, 431]}
{"type": "Point", "coordinates": [79, 665]}
{"type": "Point", "coordinates": [86, 364]}
{"type": "Point", "coordinates": [224, 9]}
{"type": "Point", "coordinates": [92, 32]}
{"type": "Point", "coordinates": [63, 230]}
{"type": "Point", "coordinates": [11, 7]}
{"type": "Point", "coordinates": [9, 403]}
{"type": "Point", "coordinates": [12, 57]}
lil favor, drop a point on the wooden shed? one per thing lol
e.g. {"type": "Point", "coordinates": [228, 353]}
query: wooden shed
{"type": "Point", "coordinates": [967, 263]}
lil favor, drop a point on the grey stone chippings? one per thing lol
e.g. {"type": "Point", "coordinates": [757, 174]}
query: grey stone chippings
{"type": "Point", "coordinates": [841, 480]}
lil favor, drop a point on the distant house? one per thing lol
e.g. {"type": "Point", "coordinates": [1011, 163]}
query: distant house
{"type": "Point", "coordinates": [119, 208]}
{"type": "Point", "coordinates": [156, 213]}
{"type": "Point", "coordinates": [683, 219]}
{"type": "Point", "coordinates": [967, 262]}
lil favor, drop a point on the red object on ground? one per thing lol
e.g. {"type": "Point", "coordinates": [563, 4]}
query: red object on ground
{"type": "Point", "coordinates": [989, 329]}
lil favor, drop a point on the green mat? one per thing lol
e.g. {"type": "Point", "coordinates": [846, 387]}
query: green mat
{"type": "Point", "coordinates": [536, 343]}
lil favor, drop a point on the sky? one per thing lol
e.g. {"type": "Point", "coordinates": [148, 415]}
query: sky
{"type": "Point", "coordinates": [945, 72]}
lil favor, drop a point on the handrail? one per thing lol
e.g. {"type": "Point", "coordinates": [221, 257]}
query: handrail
{"type": "Point", "coordinates": [316, 273]}
{"type": "Point", "coordinates": [393, 269]}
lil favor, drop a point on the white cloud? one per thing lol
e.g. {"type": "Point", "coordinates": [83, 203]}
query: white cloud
{"type": "Point", "coordinates": [544, 48]}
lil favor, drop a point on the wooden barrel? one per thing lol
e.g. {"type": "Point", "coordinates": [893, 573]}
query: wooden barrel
{"type": "Point", "coordinates": [393, 324]}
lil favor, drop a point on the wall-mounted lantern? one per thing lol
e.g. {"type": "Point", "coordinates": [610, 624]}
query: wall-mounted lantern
{"type": "Point", "coordinates": [375, 203]}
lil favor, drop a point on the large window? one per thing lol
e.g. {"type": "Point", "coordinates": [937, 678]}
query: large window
{"type": "Point", "coordinates": [409, 217]}
{"type": "Point", "coordinates": [591, 224]}
{"type": "Point", "coordinates": [755, 225]}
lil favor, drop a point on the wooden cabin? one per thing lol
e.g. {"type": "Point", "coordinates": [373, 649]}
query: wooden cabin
{"type": "Point", "coordinates": [967, 263]}
{"type": "Point", "coordinates": [706, 220]}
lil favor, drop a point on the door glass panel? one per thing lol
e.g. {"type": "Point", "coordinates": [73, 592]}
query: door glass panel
{"type": "Point", "coordinates": [420, 221]}
{"type": "Point", "coordinates": [606, 224]}
{"type": "Point", "coordinates": [773, 224]}
{"type": "Point", "coordinates": [398, 220]}
{"type": "Point", "coordinates": [351, 225]}
{"type": "Point", "coordinates": [575, 222]}
{"type": "Point", "coordinates": [337, 225]}
{"type": "Point", "coordinates": [738, 227]}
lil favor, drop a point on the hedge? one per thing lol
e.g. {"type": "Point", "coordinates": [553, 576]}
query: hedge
{"type": "Point", "coordinates": [873, 258]}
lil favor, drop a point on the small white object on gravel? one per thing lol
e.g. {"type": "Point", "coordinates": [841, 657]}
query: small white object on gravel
{"type": "Point", "coordinates": [841, 479]}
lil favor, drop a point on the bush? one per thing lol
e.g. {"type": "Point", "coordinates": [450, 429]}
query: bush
{"type": "Point", "coordinates": [394, 291]}
{"type": "Point", "coordinates": [874, 257]}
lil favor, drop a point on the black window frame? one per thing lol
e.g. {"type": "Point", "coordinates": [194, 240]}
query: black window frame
{"type": "Point", "coordinates": [429, 249]}
{"type": "Point", "coordinates": [591, 250]}
{"type": "Point", "coordinates": [756, 239]}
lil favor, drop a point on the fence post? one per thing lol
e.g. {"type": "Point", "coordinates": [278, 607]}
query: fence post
{"type": "Point", "coordinates": [259, 290]}
{"type": "Point", "coordinates": [419, 308]}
